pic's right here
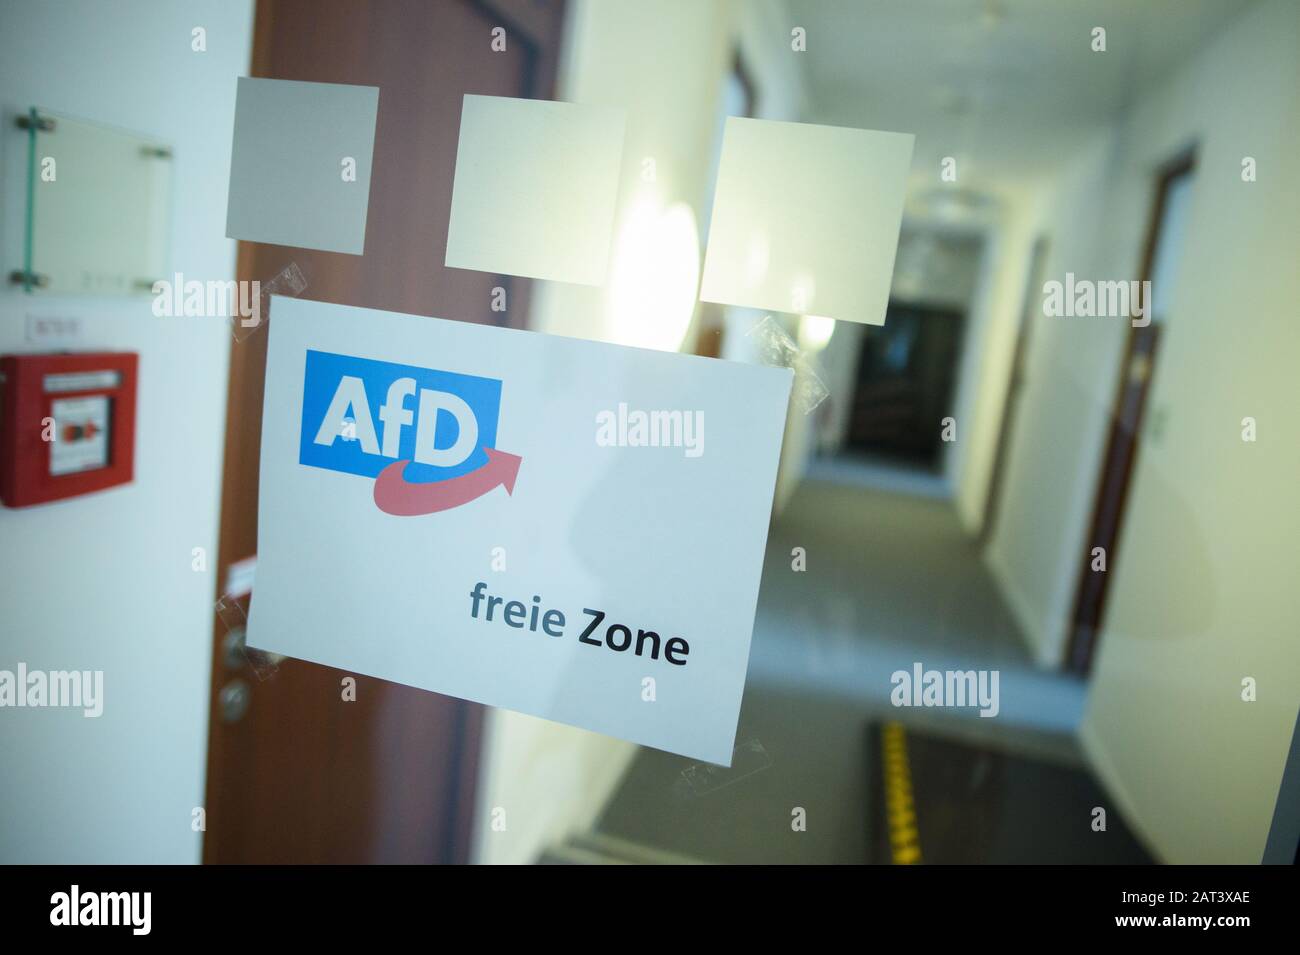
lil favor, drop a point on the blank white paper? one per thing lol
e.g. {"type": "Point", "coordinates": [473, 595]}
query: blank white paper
{"type": "Point", "coordinates": [536, 184]}
{"type": "Point", "coordinates": [806, 219]}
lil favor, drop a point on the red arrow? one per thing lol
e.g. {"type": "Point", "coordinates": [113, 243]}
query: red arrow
{"type": "Point", "coordinates": [395, 495]}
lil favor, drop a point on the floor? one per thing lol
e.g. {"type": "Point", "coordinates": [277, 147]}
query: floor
{"type": "Point", "coordinates": [949, 803]}
{"type": "Point", "coordinates": [890, 581]}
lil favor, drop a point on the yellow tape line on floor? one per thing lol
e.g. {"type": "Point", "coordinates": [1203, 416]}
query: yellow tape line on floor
{"type": "Point", "coordinates": [900, 811]}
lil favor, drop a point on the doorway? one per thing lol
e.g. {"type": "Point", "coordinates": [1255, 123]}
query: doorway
{"type": "Point", "coordinates": [1159, 261]}
{"type": "Point", "coordinates": [298, 773]}
{"type": "Point", "coordinates": [906, 375]}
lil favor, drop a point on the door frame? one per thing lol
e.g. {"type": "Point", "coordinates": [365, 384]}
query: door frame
{"type": "Point", "coordinates": [1038, 254]}
{"type": "Point", "coordinates": [537, 30]}
{"type": "Point", "coordinates": [1123, 444]}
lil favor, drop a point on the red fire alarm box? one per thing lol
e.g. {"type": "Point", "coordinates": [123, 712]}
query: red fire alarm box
{"type": "Point", "coordinates": [67, 425]}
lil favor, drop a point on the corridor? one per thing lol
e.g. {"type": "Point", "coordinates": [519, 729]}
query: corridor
{"type": "Point", "coordinates": [891, 580]}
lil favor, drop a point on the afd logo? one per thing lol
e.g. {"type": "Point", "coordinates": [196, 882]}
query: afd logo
{"type": "Point", "coordinates": [428, 443]}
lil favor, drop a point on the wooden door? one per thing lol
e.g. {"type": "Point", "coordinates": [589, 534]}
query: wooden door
{"type": "Point", "coordinates": [1122, 444]}
{"type": "Point", "coordinates": [302, 775]}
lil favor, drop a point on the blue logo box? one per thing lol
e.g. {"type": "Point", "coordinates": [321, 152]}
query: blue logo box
{"type": "Point", "coordinates": [325, 371]}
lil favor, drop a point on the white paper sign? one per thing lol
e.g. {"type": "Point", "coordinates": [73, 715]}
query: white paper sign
{"type": "Point", "coordinates": [806, 219]}
{"type": "Point", "coordinates": [535, 188]}
{"type": "Point", "coordinates": [579, 534]}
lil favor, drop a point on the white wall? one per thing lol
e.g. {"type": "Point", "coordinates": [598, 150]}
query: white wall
{"type": "Point", "coordinates": [763, 34]}
{"type": "Point", "coordinates": [665, 64]}
{"type": "Point", "coordinates": [839, 363]}
{"type": "Point", "coordinates": [1203, 584]}
{"type": "Point", "coordinates": [1062, 416]}
{"type": "Point", "coordinates": [105, 581]}
{"type": "Point", "coordinates": [987, 356]}
{"type": "Point", "coordinates": [1205, 593]}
